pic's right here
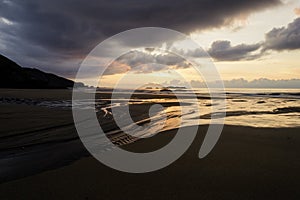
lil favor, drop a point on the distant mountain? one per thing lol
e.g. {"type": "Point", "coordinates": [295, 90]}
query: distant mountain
{"type": "Point", "coordinates": [14, 76]}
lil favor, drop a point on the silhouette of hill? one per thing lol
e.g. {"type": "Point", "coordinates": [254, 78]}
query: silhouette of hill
{"type": "Point", "coordinates": [13, 75]}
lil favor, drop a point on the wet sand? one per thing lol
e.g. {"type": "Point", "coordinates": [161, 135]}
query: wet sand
{"type": "Point", "coordinates": [246, 163]}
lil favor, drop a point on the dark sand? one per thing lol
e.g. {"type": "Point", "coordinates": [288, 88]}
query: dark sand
{"type": "Point", "coordinates": [246, 163]}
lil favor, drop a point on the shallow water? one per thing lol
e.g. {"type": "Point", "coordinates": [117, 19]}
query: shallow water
{"type": "Point", "coordinates": [244, 107]}
{"type": "Point", "coordinates": [274, 108]}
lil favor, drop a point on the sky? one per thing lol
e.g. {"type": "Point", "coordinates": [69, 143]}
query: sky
{"type": "Point", "coordinates": [246, 40]}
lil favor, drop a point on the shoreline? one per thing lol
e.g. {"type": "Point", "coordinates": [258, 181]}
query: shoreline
{"type": "Point", "coordinates": [246, 163]}
{"type": "Point", "coordinates": [64, 128]}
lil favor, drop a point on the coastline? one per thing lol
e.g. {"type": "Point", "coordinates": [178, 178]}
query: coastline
{"type": "Point", "coordinates": [246, 163]}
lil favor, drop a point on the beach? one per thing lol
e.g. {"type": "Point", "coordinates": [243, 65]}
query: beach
{"type": "Point", "coordinates": [150, 100]}
{"type": "Point", "coordinates": [246, 163]}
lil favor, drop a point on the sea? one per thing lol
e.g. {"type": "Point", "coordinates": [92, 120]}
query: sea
{"type": "Point", "coordinates": [263, 108]}
{"type": "Point", "coordinates": [255, 107]}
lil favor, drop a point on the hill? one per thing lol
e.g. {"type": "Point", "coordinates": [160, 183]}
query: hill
{"type": "Point", "coordinates": [13, 75]}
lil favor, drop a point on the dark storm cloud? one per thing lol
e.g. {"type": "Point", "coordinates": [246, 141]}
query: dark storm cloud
{"type": "Point", "coordinates": [67, 24]}
{"type": "Point", "coordinates": [224, 51]}
{"type": "Point", "coordinates": [285, 38]}
{"type": "Point", "coordinates": [144, 62]}
{"type": "Point", "coordinates": [61, 30]}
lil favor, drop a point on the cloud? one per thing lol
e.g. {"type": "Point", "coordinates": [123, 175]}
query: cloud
{"type": "Point", "coordinates": [146, 62]}
{"type": "Point", "coordinates": [257, 83]}
{"type": "Point", "coordinates": [68, 29]}
{"type": "Point", "coordinates": [177, 83]}
{"type": "Point", "coordinates": [297, 11]}
{"type": "Point", "coordinates": [284, 38]}
{"type": "Point", "coordinates": [278, 39]}
{"type": "Point", "coordinates": [224, 51]}
{"type": "Point", "coordinates": [197, 53]}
